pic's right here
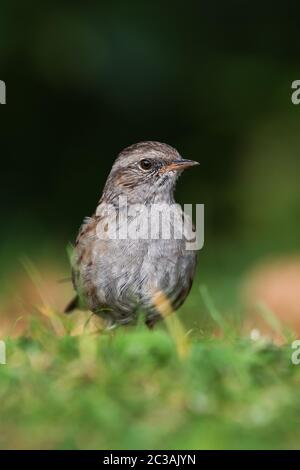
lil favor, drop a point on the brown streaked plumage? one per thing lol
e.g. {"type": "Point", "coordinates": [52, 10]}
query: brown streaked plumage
{"type": "Point", "coordinates": [115, 278]}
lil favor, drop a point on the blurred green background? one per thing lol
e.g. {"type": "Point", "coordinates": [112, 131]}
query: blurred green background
{"type": "Point", "coordinates": [85, 80]}
{"type": "Point", "coordinates": [213, 79]}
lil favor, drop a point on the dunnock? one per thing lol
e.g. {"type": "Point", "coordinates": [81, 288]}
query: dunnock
{"type": "Point", "coordinates": [116, 276]}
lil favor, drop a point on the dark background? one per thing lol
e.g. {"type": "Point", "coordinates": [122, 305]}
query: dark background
{"type": "Point", "coordinates": [213, 79]}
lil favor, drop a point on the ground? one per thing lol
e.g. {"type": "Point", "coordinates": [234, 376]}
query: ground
{"type": "Point", "coordinates": [134, 389]}
{"type": "Point", "coordinates": [199, 380]}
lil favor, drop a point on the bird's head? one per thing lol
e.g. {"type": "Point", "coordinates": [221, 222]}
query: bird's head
{"type": "Point", "coordinates": [145, 171]}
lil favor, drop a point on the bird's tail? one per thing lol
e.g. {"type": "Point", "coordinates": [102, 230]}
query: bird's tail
{"type": "Point", "coordinates": [72, 305]}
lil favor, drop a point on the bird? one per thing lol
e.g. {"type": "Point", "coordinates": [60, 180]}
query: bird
{"type": "Point", "coordinates": [119, 277]}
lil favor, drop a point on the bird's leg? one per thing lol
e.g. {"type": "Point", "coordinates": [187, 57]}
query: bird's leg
{"type": "Point", "coordinates": [150, 322]}
{"type": "Point", "coordinates": [152, 318]}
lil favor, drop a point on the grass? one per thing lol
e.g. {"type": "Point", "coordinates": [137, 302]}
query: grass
{"type": "Point", "coordinates": [131, 389]}
{"type": "Point", "coordinates": [204, 385]}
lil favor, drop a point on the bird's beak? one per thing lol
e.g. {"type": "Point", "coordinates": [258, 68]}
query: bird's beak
{"type": "Point", "coordinates": [178, 165]}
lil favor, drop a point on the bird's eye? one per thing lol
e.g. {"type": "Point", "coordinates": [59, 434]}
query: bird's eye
{"type": "Point", "coordinates": [145, 164]}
